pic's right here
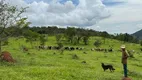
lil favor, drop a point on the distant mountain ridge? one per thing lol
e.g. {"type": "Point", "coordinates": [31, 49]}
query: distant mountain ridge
{"type": "Point", "coordinates": [138, 34]}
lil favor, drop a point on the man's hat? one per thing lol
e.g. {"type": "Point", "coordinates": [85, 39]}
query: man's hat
{"type": "Point", "coordinates": [122, 46]}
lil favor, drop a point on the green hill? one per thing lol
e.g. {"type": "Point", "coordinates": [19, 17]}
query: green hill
{"type": "Point", "coordinates": [51, 65]}
{"type": "Point", "coordinates": [138, 34]}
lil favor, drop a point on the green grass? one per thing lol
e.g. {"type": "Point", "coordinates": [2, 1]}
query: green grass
{"type": "Point", "coordinates": [44, 65]}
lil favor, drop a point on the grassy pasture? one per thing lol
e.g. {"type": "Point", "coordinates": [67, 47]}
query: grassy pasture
{"type": "Point", "coordinates": [45, 65]}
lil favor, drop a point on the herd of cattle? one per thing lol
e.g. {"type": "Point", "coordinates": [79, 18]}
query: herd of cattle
{"type": "Point", "coordinates": [102, 49]}
{"type": "Point", "coordinates": [58, 48]}
{"type": "Point", "coordinates": [73, 48]}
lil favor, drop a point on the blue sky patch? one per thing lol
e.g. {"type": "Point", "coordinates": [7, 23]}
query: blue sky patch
{"type": "Point", "coordinates": [112, 3]}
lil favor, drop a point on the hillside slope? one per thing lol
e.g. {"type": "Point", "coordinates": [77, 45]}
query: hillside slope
{"type": "Point", "coordinates": [51, 65]}
{"type": "Point", "coordinates": [138, 34]}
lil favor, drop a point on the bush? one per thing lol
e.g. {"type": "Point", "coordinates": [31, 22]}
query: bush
{"type": "Point", "coordinates": [97, 43]}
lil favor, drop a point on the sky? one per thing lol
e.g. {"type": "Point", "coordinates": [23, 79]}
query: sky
{"type": "Point", "coordinates": [113, 16]}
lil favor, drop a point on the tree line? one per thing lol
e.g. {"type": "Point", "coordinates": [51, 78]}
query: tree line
{"type": "Point", "coordinates": [71, 34]}
{"type": "Point", "coordinates": [79, 33]}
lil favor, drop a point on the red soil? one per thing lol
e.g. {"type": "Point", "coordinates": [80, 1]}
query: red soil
{"type": "Point", "coordinates": [6, 56]}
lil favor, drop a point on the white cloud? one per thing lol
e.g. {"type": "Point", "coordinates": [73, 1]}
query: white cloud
{"type": "Point", "coordinates": [60, 8]}
{"type": "Point", "coordinates": [86, 13]}
{"type": "Point", "coordinates": [19, 3]}
{"type": "Point", "coordinates": [126, 16]}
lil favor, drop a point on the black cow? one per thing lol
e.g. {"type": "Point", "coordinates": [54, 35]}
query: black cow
{"type": "Point", "coordinates": [72, 48]}
{"type": "Point", "coordinates": [77, 48]}
{"type": "Point", "coordinates": [41, 47]}
{"type": "Point", "coordinates": [66, 48]}
{"type": "Point", "coordinates": [49, 47]}
{"type": "Point", "coordinates": [110, 50]}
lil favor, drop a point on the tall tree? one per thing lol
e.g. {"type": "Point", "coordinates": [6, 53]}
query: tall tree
{"type": "Point", "coordinates": [59, 37]}
{"type": "Point", "coordinates": [43, 39]}
{"type": "Point", "coordinates": [70, 33]}
{"type": "Point", "coordinates": [97, 43]}
{"type": "Point", "coordinates": [9, 16]}
{"type": "Point", "coordinates": [104, 35]}
{"type": "Point", "coordinates": [86, 36]}
{"type": "Point", "coordinates": [30, 36]}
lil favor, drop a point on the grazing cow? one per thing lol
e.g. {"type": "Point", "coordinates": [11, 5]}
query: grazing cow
{"type": "Point", "coordinates": [81, 48]}
{"type": "Point", "coordinates": [72, 48]}
{"type": "Point", "coordinates": [49, 47]}
{"type": "Point", "coordinates": [41, 47]}
{"type": "Point", "coordinates": [57, 47]}
{"type": "Point", "coordinates": [102, 49]}
{"type": "Point", "coordinates": [53, 47]}
{"type": "Point", "coordinates": [77, 48]}
{"type": "Point", "coordinates": [6, 56]}
{"type": "Point", "coordinates": [110, 50]}
{"type": "Point", "coordinates": [66, 48]}
{"type": "Point", "coordinates": [99, 49]}
{"type": "Point", "coordinates": [105, 50]}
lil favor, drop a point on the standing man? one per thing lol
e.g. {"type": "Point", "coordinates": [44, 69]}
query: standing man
{"type": "Point", "coordinates": [124, 62]}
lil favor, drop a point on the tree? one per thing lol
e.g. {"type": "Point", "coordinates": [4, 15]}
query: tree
{"type": "Point", "coordinates": [97, 43]}
{"type": "Point", "coordinates": [58, 37]}
{"type": "Point", "coordinates": [104, 35]}
{"type": "Point", "coordinates": [9, 16]}
{"type": "Point", "coordinates": [79, 34]}
{"type": "Point", "coordinates": [70, 33]}
{"type": "Point", "coordinates": [42, 39]}
{"type": "Point", "coordinates": [30, 36]}
{"type": "Point", "coordinates": [86, 40]}
{"type": "Point", "coordinates": [75, 40]}
{"type": "Point", "coordinates": [86, 36]}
